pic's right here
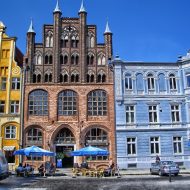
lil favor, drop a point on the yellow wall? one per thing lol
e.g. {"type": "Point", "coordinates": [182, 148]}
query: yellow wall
{"type": "Point", "coordinates": [7, 54]}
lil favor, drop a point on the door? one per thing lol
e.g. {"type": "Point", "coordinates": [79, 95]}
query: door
{"type": "Point", "coordinates": [63, 156]}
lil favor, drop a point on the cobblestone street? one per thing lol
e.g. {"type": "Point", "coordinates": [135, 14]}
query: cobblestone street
{"type": "Point", "coordinates": [134, 182]}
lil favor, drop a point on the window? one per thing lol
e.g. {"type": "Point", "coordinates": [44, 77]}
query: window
{"type": "Point", "coordinates": [15, 83]}
{"type": "Point", "coordinates": [188, 80]}
{"type": "Point", "coordinates": [154, 145]}
{"type": "Point", "coordinates": [98, 138]}
{"type": "Point", "coordinates": [74, 59]}
{"type": "Point", "coordinates": [161, 82]}
{"type": "Point", "coordinates": [38, 60]}
{"type": "Point", "coordinates": [101, 78]}
{"type": "Point", "coordinates": [48, 59]}
{"type": "Point", "coordinates": [97, 103]}
{"type": "Point", "coordinates": [130, 114]}
{"type": "Point", "coordinates": [175, 113]}
{"type": "Point", "coordinates": [64, 136]}
{"type": "Point", "coordinates": [14, 107]}
{"type": "Point", "coordinates": [101, 59]}
{"type": "Point", "coordinates": [150, 81]}
{"type": "Point", "coordinates": [177, 145]}
{"type": "Point", "coordinates": [91, 40]}
{"type": "Point", "coordinates": [90, 78]}
{"type": "Point", "coordinates": [10, 132]}
{"type": "Point", "coordinates": [67, 103]}
{"type": "Point", "coordinates": [2, 106]}
{"type": "Point", "coordinates": [3, 83]}
{"type": "Point", "coordinates": [131, 146]}
{"type": "Point", "coordinates": [34, 136]}
{"type": "Point", "coordinates": [153, 114]}
{"type": "Point", "coordinates": [172, 80]}
{"type": "Point", "coordinates": [48, 77]}
{"type": "Point", "coordinates": [49, 39]}
{"type": "Point", "coordinates": [90, 59]}
{"type": "Point", "coordinates": [128, 82]}
{"type": "Point", "coordinates": [38, 102]}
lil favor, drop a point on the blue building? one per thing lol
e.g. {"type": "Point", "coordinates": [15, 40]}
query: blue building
{"type": "Point", "coordinates": [152, 102]}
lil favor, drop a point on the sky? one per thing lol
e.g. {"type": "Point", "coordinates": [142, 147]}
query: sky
{"type": "Point", "coordinates": [143, 30]}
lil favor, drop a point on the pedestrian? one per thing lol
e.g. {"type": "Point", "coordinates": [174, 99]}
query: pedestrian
{"type": "Point", "coordinates": [157, 159]}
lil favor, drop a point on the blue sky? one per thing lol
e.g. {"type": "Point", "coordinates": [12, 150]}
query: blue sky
{"type": "Point", "coordinates": [143, 30]}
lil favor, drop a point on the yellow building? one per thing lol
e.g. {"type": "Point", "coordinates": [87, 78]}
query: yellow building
{"type": "Point", "coordinates": [10, 96]}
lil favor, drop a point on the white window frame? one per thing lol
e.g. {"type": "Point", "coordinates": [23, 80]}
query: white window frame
{"type": "Point", "coordinates": [16, 82]}
{"type": "Point", "coordinates": [155, 142]}
{"type": "Point", "coordinates": [11, 133]}
{"type": "Point", "coordinates": [153, 111]}
{"type": "Point", "coordinates": [130, 111]}
{"type": "Point", "coordinates": [151, 81]}
{"type": "Point", "coordinates": [173, 84]}
{"type": "Point", "coordinates": [177, 141]}
{"type": "Point", "coordinates": [128, 77]}
{"type": "Point", "coordinates": [175, 111]}
{"type": "Point", "coordinates": [132, 143]}
{"type": "Point", "coordinates": [14, 104]}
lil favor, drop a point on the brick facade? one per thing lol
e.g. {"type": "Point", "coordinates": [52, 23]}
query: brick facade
{"type": "Point", "coordinates": [52, 79]}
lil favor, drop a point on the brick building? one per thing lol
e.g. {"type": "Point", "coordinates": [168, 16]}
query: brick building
{"type": "Point", "coordinates": [69, 94]}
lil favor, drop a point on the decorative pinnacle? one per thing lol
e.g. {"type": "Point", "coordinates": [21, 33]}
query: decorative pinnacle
{"type": "Point", "coordinates": [82, 9]}
{"type": "Point", "coordinates": [57, 9]}
{"type": "Point", "coordinates": [31, 28]}
{"type": "Point", "coordinates": [107, 30]}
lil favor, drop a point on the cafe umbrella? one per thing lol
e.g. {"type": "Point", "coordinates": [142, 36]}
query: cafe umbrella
{"type": "Point", "coordinates": [34, 151]}
{"type": "Point", "coordinates": [90, 151]}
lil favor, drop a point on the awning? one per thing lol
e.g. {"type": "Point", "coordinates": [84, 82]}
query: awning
{"type": "Point", "coordinates": [8, 148]}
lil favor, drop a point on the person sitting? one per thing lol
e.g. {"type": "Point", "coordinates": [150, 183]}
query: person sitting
{"type": "Point", "coordinates": [110, 170]}
{"type": "Point", "coordinates": [20, 170]}
{"type": "Point", "coordinates": [52, 169]}
{"type": "Point", "coordinates": [41, 170]}
{"type": "Point", "coordinates": [84, 165]}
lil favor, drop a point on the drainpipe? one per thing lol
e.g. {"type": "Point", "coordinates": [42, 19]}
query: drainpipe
{"type": "Point", "coordinates": [22, 110]}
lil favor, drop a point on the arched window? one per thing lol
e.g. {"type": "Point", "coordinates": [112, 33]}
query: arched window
{"type": "Point", "coordinates": [97, 103]}
{"type": "Point", "coordinates": [61, 59]}
{"type": "Point", "coordinates": [77, 60]}
{"type": "Point", "coordinates": [101, 77]}
{"type": "Point", "coordinates": [72, 59]}
{"type": "Point", "coordinates": [65, 78]}
{"type": "Point", "coordinates": [172, 80]}
{"type": "Point", "coordinates": [74, 41]}
{"type": "Point", "coordinates": [38, 78]}
{"type": "Point", "coordinates": [34, 136]}
{"type": "Point", "coordinates": [150, 81]}
{"type": "Point", "coordinates": [98, 138]}
{"type": "Point", "coordinates": [101, 59]}
{"type": "Point", "coordinates": [34, 78]}
{"type": "Point", "coordinates": [38, 60]}
{"type": "Point", "coordinates": [65, 136]}
{"type": "Point", "coordinates": [65, 59]}
{"type": "Point", "coordinates": [10, 132]}
{"type": "Point", "coordinates": [38, 103]}
{"type": "Point", "coordinates": [90, 59]}
{"type": "Point", "coordinates": [49, 39]}
{"type": "Point", "coordinates": [90, 78]}
{"type": "Point", "coordinates": [140, 86]}
{"type": "Point", "coordinates": [48, 77]}
{"type": "Point", "coordinates": [46, 59]}
{"type": "Point", "coordinates": [91, 40]}
{"type": "Point", "coordinates": [128, 82]}
{"type": "Point", "coordinates": [67, 103]}
{"type": "Point", "coordinates": [61, 78]}
{"type": "Point", "coordinates": [65, 42]}
{"type": "Point", "coordinates": [161, 82]}
{"type": "Point", "coordinates": [50, 59]}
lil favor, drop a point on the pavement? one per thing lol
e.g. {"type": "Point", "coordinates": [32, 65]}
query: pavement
{"type": "Point", "coordinates": [68, 172]}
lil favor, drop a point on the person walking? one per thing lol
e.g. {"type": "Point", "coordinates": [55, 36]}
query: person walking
{"type": "Point", "coordinates": [157, 159]}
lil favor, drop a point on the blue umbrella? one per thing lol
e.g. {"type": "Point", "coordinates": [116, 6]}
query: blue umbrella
{"type": "Point", "coordinates": [33, 151]}
{"type": "Point", "coordinates": [90, 151]}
